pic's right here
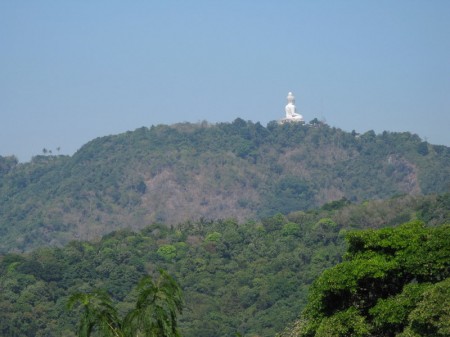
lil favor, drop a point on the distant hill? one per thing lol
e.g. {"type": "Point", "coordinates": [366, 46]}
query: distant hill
{"type": "Point", "coordinates": [188, 172]}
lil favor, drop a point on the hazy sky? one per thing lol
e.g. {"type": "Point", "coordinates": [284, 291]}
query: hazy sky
{"type": "Point", "coordinates": [71, 71]}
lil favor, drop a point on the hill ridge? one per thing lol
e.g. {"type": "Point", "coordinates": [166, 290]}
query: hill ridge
{"type": "Point", "coordinates": [175, 173]}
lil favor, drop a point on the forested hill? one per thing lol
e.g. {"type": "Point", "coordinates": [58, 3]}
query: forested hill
{"type": "Point", "coordinates": [171, 174]}
{"type": "Point", "coordinates": [250, 278]}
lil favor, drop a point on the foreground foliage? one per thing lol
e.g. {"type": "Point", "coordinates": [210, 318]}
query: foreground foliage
{"type": "Point", "coordinates": [98, 313]}
{"type": "Point", "coordinates": [392, 282]}
{"type": "Point", "coordinates": [157, 307]}
{"type": "Point", "coordinates": [155, 313]}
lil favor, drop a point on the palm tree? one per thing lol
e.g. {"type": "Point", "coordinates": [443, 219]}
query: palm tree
{"type": "Point", "coordinates": [155, 314]}
{"type": "Point", "coordinates": [98, 311]}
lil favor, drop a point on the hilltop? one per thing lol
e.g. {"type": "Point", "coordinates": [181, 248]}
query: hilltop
{"type": "Point", "coordinates": [188, 172]}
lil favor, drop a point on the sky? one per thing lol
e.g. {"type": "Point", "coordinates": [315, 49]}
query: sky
{"type": "Point", "coordinates": [71, 71]}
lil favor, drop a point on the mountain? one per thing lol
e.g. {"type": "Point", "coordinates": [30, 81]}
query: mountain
{"type": "Point", "coordinates": [250, 278]}
{"type": "Point", "coordinates": [187, 172]}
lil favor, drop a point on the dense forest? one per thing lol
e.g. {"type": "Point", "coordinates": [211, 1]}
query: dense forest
{"type": "Point", "coordinates": [249, 278]}
{"type": "Point", "coordinates": [193, 172]}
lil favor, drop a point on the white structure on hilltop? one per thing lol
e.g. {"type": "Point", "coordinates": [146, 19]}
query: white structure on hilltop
{"type": "Point", "coordinates": [291, 114]}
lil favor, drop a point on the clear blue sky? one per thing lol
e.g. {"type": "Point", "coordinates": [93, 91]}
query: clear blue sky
{"type": "Point", "coordinates": [71, 71]}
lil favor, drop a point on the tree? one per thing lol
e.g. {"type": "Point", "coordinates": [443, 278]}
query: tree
{"type": "Point", "coordinates": [98, 311]}
{"type": "Point", "coordinates": [431, 316]}
{"type": "Point", "coordinates": [155, 314]}
{"type": "Point", "coordinates": [158, 304]}
{"type": "Point", "coordinates": [393, 282]}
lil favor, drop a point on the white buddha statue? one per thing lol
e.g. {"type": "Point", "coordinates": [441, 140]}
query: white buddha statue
{"type": "Point", "coordinates": [291, 114]}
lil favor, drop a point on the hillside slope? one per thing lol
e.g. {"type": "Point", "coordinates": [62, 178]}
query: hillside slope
{"type": "Point", "coordinates": [183, 172]}
{"type": "Point", "coordinates": [250, 278]}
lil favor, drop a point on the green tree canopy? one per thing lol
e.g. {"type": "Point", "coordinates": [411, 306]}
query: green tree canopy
{"type": "Point", "coordinates": [157, 306]}
{"type": "Point", "coordinates": [155, 314]}
{"type": "Point", "coordinates": [98, 314]}
{"type": "Point", "coordinates": [392, 282]}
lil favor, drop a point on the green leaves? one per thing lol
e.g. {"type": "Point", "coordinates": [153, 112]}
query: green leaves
{"type": "Point", "coordinates": [167, 252]}
{"type": "Point", "coordinates": [155, 315]}
{"type": "Point", "coordinates": [157, 306]}
{"type": "Point", "coordinates": [385, 286]}
{"type": "Point", "coordinates": [431, 316]}
{"type": "Point", "coordinates": [97, 312]}
{"type": "Point", "coordinates": [344, 324]}
{"type": "Point", "coordinates": [392, 313]}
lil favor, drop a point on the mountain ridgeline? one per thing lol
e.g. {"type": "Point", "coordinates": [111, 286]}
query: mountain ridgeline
{"type": "Point", "coordinates": [188, 172]}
